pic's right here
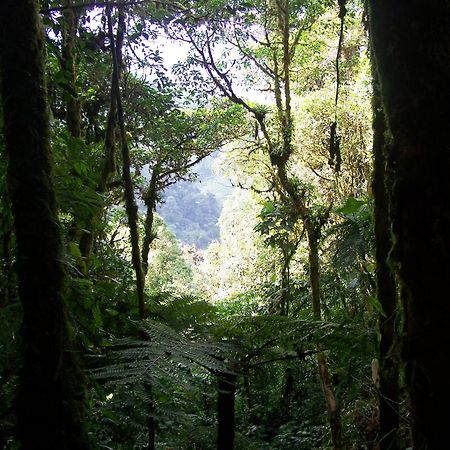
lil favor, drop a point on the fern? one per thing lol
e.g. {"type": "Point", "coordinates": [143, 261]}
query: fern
{"type": "Point", "coordinates": [353, 236]}
{"type": "Point", "coordinates": [159, 356]}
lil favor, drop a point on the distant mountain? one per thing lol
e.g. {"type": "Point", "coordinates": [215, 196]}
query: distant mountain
{"type": "Point", "coordinates": [192, 209]}
{"type": "Point", "coordinates": [210, 181]}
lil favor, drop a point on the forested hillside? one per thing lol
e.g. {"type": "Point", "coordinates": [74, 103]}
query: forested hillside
{"type": "Point", "coordinates": [224, 224]}
{"type": "Point", "coordinates": [192, 208]}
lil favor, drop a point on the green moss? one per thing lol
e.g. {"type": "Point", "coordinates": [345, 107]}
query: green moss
{"type": "Point", "coordinates": [50, 399]}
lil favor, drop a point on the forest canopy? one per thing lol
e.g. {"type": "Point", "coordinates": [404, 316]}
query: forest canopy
{"type": "Point", "coordinates": [224, 225]}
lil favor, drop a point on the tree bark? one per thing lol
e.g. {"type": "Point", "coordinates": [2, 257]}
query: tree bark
{"type": "Point", "coordinates": [411, 45]}
{"type": "Point", "coordinates": [70, 24]}
{"type": "Point", "coordinates": [50, 397]}
{"type": "Point", "coordinates": [150, 203]}
{"type": "Point", "coordinates": [131, 210]}
{"type": "Point", "coordinates": [109, 162]}
{"type": "Point", "coordinates": [130, 201]}
{"type": "Point", "coordinates": [225, 411]}
{"type": "Point", "coordinates": [333, 411]}
{"type": "Point", "coordinates": [386, 286]}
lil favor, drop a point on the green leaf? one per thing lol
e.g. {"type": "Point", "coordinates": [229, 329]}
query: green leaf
{"type": "Point", "coordinates": [351, 206]}
{"type": "Point", "coordinates": [109, 415]}
{"type": "Point", "coordinates": [74, 250]}
{"type": "Point", "coordinates": [373, 301]}
{"type": "Point", "coordinates": [97, 316]}
{"type": "Point", "coordinates": [112, 312]}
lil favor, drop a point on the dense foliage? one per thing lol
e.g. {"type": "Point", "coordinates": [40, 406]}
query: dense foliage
{"type": "Point", "coordinates": [222, 281]}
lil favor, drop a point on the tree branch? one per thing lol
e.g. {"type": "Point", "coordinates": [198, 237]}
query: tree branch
{"type": "Point", "coordinates": [299, 356]}
{"type": "Point", "coordinates": [105, 3]}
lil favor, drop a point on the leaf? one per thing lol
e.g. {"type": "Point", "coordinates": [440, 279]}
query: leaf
{"type": "Point", "coordinates": [97, 316]}
{"type": "Point", "coordinates": [373, 301]}
{"type": "Point", "coordinates": [74, 250]}
{"type": "Point", "coordinates": [351, 206]}
{"type": "Point", "coordinates": [109, 415]}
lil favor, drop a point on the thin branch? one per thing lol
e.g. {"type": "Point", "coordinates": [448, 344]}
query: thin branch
{"type": "Point", "coordinates": [252, 188]}
{"type": "Point", "coordinates": [320, 176]}
{"type": "Point", "coordinates": [184, 166]}
{"type": "Point", "coordinates": [298, 356]}
{"type": "Point", "coordinates": [342, 13]}
{"type": "Point", "coordinates": [256, 351]}
{"type": "Point", "coordinates": [261, 66]}
{"type": "Point", "coordinates": [114, 4]}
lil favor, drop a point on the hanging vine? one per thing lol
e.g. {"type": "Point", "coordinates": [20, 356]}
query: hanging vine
{"type": "Point", "coordinates": [335, 140]}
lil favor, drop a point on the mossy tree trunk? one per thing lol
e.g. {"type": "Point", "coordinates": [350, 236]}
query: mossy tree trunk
{"type": "Point", "coordinates": [130, 203]}
{"type": "Point", "coordinates": [67, 62]}
{"type": "Point", "coordinates": [109, 166]}
{"type": "Point", "coordinates": [386, 286]}
{"type": "Point", "coordinates": [411, 43]}
{"type": "Point", "coordinates": [50, 397]}
{"type": "Point", "coordinates": [150, 198]}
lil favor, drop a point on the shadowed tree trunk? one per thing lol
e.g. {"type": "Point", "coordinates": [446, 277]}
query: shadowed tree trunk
{"type": "Point", "coordinates": [109, 162]}
{"type": "Point", "coordinates": [131, 209]}
{"type": "Point", "coordinates": [386, 286]}
{"type": "Point", "coordinates": [130, 201]}
{"type": "Point", "coordinates": [225, 411]}
{"type": "Point", "coordinates": [130, 205]}
{"type": "Point", "coordinates": [287, 393]}
{"type": "Point", "coordinates": [50, 397]}
{"type": "Point", "coordinates": [411, 43]}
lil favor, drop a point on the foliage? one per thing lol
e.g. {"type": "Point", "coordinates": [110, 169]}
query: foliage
{"type": "Point", "coordinates": [227, 243]}
{"type": "Point", "coordinates": [191, 214]}
{"type": "Point", "coordinates": [240, 261]}
{"type": "Point", "coordinates": [168, 269]}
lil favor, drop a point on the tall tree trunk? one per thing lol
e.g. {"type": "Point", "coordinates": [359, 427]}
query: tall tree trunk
{"type": "Point", "coordinates": [411, 43]}
{"type": "Point", "coordinates": [73, 104]}
{"type": "Point", "coordinates": [130, 201]}
{"type": "Point", "coordinates": [333, 411]}
{"type": "Point", "coordinates": [50, 398]}
{"type": "Point", "coordinates": [225, 411]}
{"type": "Point", "coordinates": [386, 285]}
{"type": "Point", "coordinates": [8, 285]}
{"type": "Point", "coordinates": [109, 162]}
{"type": "Point", "coordinates": [150, 203]}
{"type": "Point", "coordinates": [67, 61]}
{"type": "Point", "coordinates": [132, 213]}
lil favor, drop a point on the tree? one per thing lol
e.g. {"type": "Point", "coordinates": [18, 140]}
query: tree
{"type": "Point", "coordinates": [280, 26]}
{"type": "Point", "coordinates": [50, 397]}
{"type": "Point", "coordinates": [386, 284]}
{"type": "Point", "coordinates": [411, 47]}
{"type": "Point", "coordinates": [175, 143]}
{"type": "Point", "coordinates": [297, 288]}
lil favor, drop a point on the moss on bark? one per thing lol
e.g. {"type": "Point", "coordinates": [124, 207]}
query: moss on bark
{"type": "Point", "coordinates": [411, 44]}
{"type": "Point", "coordinates": [50, 399]}
{"type": "Point", "coordinates": [386, 286]}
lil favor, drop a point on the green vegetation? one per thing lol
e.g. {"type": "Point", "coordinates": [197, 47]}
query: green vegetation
{"type": "Point", "coordinates": [191, 214]}
{"type": "Point", "coordinates": [244, 249]}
